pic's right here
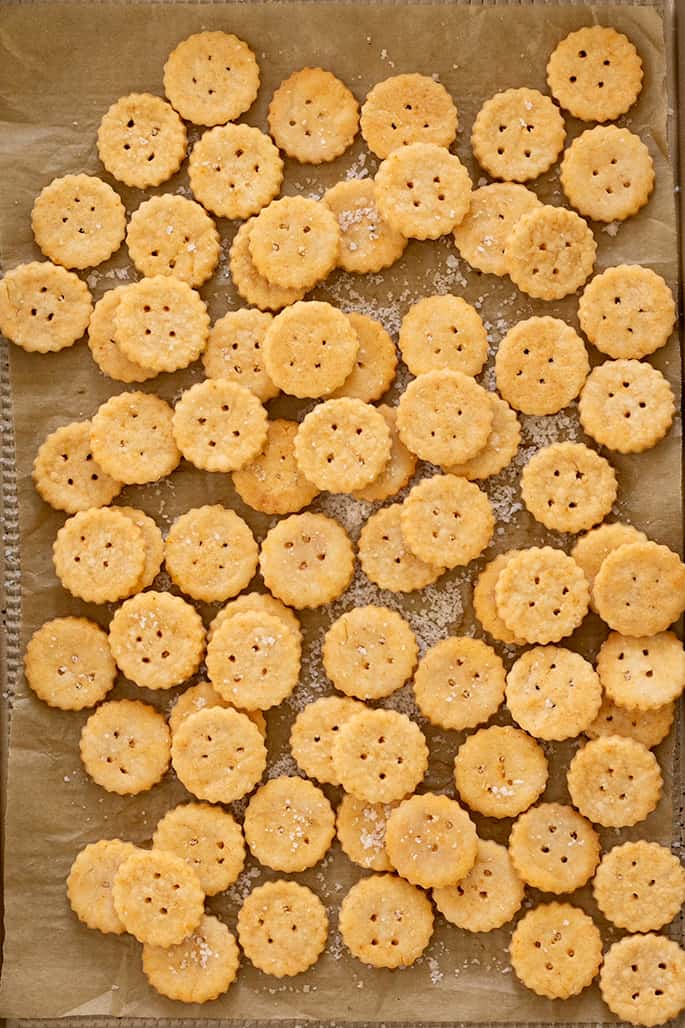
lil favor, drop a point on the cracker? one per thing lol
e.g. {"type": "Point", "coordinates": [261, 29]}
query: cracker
{"type": "Point", "coordinates": [553, 693]}
{"type": "Point", "coordinates": [170, 235]}
{"type": "Point", "coordinates": [253, 287]}
{"type": "Point", "coordinates": [650, 727]}
{"type": "Point", "coordinates": [208, 839]}
{"type": "Point", "coordinates": [385, 558]}
{"type": "Point", "coordinates": [314, 731]}
{"type": "Point", "coordinates": [607, 173]}
{"type": "Point", "coordinates": [568, 487]}
{"type": "Point", "coordinates": [89, 884]}
{"type": "Point", "coordinates": [369, 652]}
{"type": "Point", "coordinates": [78, 221]}
{"type": "Point", "coordinates": [488, 896]}
{"type": "Point", "coordinates": [482, 233]}
{"type": "Point", "coordinates": [485, 605]}
{"type": "Point", "coordinates": [294, 242]}
{"type": "Point", "coordinates": [550, 252]}
{"type": "Point", "coordinates": [68, 663]}
{"type": "Point", "coordinates": [541, 365]}
{"type": "Point", "coordinates": [626, 405]}
{"type": "Point", "coordinates": [218, 754]}
{"type": "Point", "coordinates": [65, 474]}
{"type": "Point", "coordinates": [99, 555]}
{"type": "Point", "coordinates": [161, 323]}
{"type": "Point", "coordinates": [289, 824]}
{"type": "Point", "coordinates": [210, 553]}
{"type": "Point", "coordinates": [152, 542]}
{"type": "Point", "coordinates": [199, 969]}
{"type": "Point", "coordinates": [131, 438]}
{"type": "Point", "coordinates": [627, 312]}
{"type": "Point", "coordinates": [595, 73]}
{"type": "Point", "coordinates": [501, 446]}
{"type": "Point", "coordinates": [406, 109]}
{"type": "Point", "coordinates": [157, 640]}
{"type": "Point", "coordinates": [361, 832]}
{"type": "Point", "coordinates": [643, 979]}
{"type": "Point", "coordinates": [211, 78]}
{"type": "Point", "coordinates": [310, 349]}
{"type": "Point", "coordinates": [640, 589]}
{"type": "Point", "coordinates": [141, 140]}
{"type": "Point", "coordinates": [43, 308]}
{"type": "Point", "coordinates": [541, 594]}
{"type": "Point", "coordinates": [459, 683]}
{"type": "Point", "coordinates": [554, 848]}
{"type": "Point", "coordinates": [375, 364]}
{"type": "Point", "coordinates": [556, 950]}
{"type": "Point", "coordinates": [499, 772]}
{"type": "Point", "coordinates": [313, 116]}
{"type": "Point", "coordinates": [639, 886]}
{"type": "Point", "coordinates": [158, 898]}
{"type": "Point", "coordinates": [235, 170]}
{"type": "Point", "coordinates": [282, 928]}
{"type": "Point", "coordinates": [253, 660]}
{"type": "Point", "coordinates": [124, 747]}
{"type": "Point", "coordinates": [447, 521]}
{"type": "Point", "coordinates": [422, 190]}
{"type": "Point", "coordinates": [444, 417]}
{"type": "Point", "coordinates": [431, 841]}
{"type": "Point", "coordinates": [307, 560]}
{"type": "Point", "coordinates": [380, 755]}
{"type": "Point", "coordinates": [202, 695]}
{"type": "Point", "coordinates": [261, 602]}
{"type": "Point", "coordinates": [367, 242]}
{"type": "Point", "coordinates": [385, 921]}
{"type": "Point", "coordinates": [614, 781]}
{"type": "Point", "coordinates": [235, 350]}
{"type": "Point", "coordinates": [103, 346]}
{"type": "Point", "coordinates": [642, 673]}
{"type": "Point", "coordinates": [590, 549]}
{"type": "Point", "coordinates": [219, 425]}
{"type": "Point", "coordinates": [399, 469]}
{"type": "Point", "coordinates": [518, 134]}
{"type": "Point", "coordinates": [443, 332]}
{"type": "Point", "coordinates": [342, 445]}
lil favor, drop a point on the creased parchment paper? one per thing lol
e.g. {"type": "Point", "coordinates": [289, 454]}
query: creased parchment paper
{"type": "Point", "coordinates": [61, 65]}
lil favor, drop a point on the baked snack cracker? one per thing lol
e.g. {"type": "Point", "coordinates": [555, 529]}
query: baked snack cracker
{"type": "Point", "coordinates": [235, 170]}
{"type": "Point", "coordinates": [541, 365]}
{"type": "Point", "coordinates": [500, 448]}
{"type": "Point", "coordinates": [444, 417]}
{"type": "Point", "coordinates": [550, 252]}
{"type": "Point", "coordinates": [488, 896]}
{"type": "Point", "coordinates": [500, 772]}
{"type": "Point", "coordinates": [407, 109]}
{"type": "Point", "coordinates": [153, 544]}
{"type": "Point", "coordinates": [614, 781]}
{"type": "Point", "coordinates": [171, 235]}
{"type": "Point", "coordinates": [78, 221]}
{"type": "Point", "coordinates": [249, 283]}
{"type": "Point", "coordinates": [650, 727]}
{"type": "Point", "coordinates": [294, 242]}
{"type": "Point", "coordinates": [235, 350]}
{"type": "Point", "coordinates": [447, 521]}
{"type": "Point", "coordinates": [607, 173]}
{"type": "Point", "coordinates": [124, 747]}
{"type": "Point", "coordinates": [253, 660]}
{"type": "Point", "coordinates": [310, 349]}
{"type": "Point", "coordinates": [89, 884]}
{"type": "Point", "coordinates": [198, 697]}
{"type": "Point", "coordinates": [590, 549]}
{"type": "Point", "coordinates": [282, 928]}
{"type": "Point", "coordinates": [431, 841]}
{"type": "Point", "coordinates": [380, 755]}
{"type": "Point", "coordinates": [158, 898]}
{"type": "Point", "coordinates": [218, 754]}
{"type": "Point", "coordinates": [342, 445]}
{"type": "Point", "coordinates": [443, 332]}
{"type": "Point", "coordinates": [643, 672]}
{"type": "Point", "coordinates": [626, 405]}
{"type": "Point", "coordinates": [568, 487]}
{"type": "Point", "coordinates": [211, 78]}
{"type": "Point", "coordinates": [639, 886]}
{"type": "Point", "coordinates": [422, 190]}
{"type": "Point", "coordinates": [518, 134]}
{"type": "Point", "coordinates": [210, 553]}
{"type": "Point", "coordinates": [289, 824]}
{"type": "Point", "coordinates": [161, 323]}
{"type": "Point", "coordinates": [369, 652]}
{"type": "Point", "coordinates": [553, 693]}
{"type": "Point", "coordinates": [385, 921]}
{"type": "Point", "coordinates": [627, 311]}
{"type": "Point", "coordinates": [99, 555]}
{"type": "Point", "coordinates": [640, 589]}
{"type": "Point", "coordinates": [219, 425]}
{"type": "Point", "coordinates": [208, 839]}
{"type": "Point", "coordinates": [141, 140]}
{"type": "Point", "coordinates": [314, 732]}
{"type": "Point", "coordinates": [554, 848]}
{"type": "Point", "coordinates": [306, 560]}
{"type": "Point", "coordinates": [480, 236]}
{"type": "Point", "coordinates": [313, 116]}
{"type": "Point", "coordinates": [197, 970]}
{"type": "Point", "coordinates": [385, 558]}
{"type": "Point", "coordinates": [361, 832]}
{"type": "Point", "coordinates": [375, 363]}
{"type": "Point", "coordinates": [261, 602]}
{"type": "Point", "coordinates": [485, 605]}
{"type": "Point", "coordinates": [459, 683]}
{"type": "Point", "coordinates": [68, 663]}
{"type": "Point", "coordinates": [595, 73]}
{"type": "Point", "coordinates": [541, 594]}
{"type": "Point", "coordinates": [103, 346]}
{"type": "Point", "coordinates": [399, 469]}
{"type": "Point", "coordinates": [65, 474]}
{"type": "Point", "coordinates": [272, 482]}
{"type": "Point", "coordinates": [556, 950]}
{"type": "Point", "coordinates": [367, 242]}
{"type": "Point", "coordinates": [131, 438]}
{"type": "Point", "coordinates": [43, 308]}
{"type": "Point", "coordinates": [643, 979]}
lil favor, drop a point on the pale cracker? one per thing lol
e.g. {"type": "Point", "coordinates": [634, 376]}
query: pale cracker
{"type": "Point", "coordinates": [595, 73]}
{"type": "Point", "coordinates": [158, 897]}
{"type": "Point", "coordinates": [369, 652]}
{"type": "Point", "coordinates": [103, 346]}
{"type": "Point", "coordinates": [568, 487]}
{"type": "Point", "coordinates": [211, 78]}
{"type": "Point", "coordinates": [607, 173]}
{"type": "Point", "coordinates": [43, 308]}
{"type": "Point", "coordinates": [235, 350]}
{"type": "Point", "coordinates": [375, 364]}
{"type": "Point", "coordinates": [501, 446]}
{"type": "Point", "coordinates": [627, 312]}
{"type": "Point", "coordinates": [482, 233]}
{"type": "Point", "coordinates": [89, 884]}
{"type": "Point", "coordinates": [541, 594]}
{"type": "Point", "coordinates": [407, 109]}
{"type": "Point", "coordinates": [253, 287]}
{"type": "Point", "coordinates": [650, 727]}
{"type": "Point", "coordinates": [590, 549]}
{"type": "Point", "coordinates": [556, 950]}
{"type": "Point", "coordinates": [313, 116]}
{"type": "Point", "coordinates": [385, 921]}
{"type": "Point", "coordinates": [263, 602]}
{"type": "Point", "coordinates": [361, 832]}
{"type": "Point", "coordinates": [141, 140]}
{"type": "Point", "coordinates": [314, 732]}
{"type": "Point", "coordinates": [444, 417]}
{"type": "Point", "coordinates": [399, 469]}
{"type": "Point", "coordinates": [380, 755]}
{"type": "Point", "coordinates": [643, 979]}
{"type": "Point", "coordinates": [342, 445]}
{"type": "Point", "coordinates": [640, 589]}
{"type": "Point", "coordinates": [219, 425]}
{"type": "Point", "coordinates": [447, 521]}
{"type": "Point", "coordinates": [171, 235]}
{"type": "Point", "coordinates": [289, 824]}
{"type": "Point", "coordinates": [500, 772]}
{"type": "Point", "coordinates": [152, 542]}
{"type": "Point", "coordinates": [422, 190]}
{"type": "Point", "coordinates": [65, 474]}
{"type": "Point", "coordinates": [626, 405]}
{"type": "Point", "coordinates": [253, 660]}
{"type": "Point", "coordinates": [234, 171]}
{"type": "Point", "coordinates": [367, 242]}
{"type": "Point", "coordinates": [282, 928]}
{"type": "Point", "coordinates": [124, 746]}
{"type": "Point", "coordinates": [161, 323]}
{"type": "Point", "coordinates": [272, 482]}
{"type": "Point", "coordinates": [306, 560]}
{"type": "Point", "coordinates": [208, 838]}
{"type": "Point", "coordinates": [131, 438]}
{"type": "Point", "coordinates": [459, 683]}
{"type": "Point", "coordinates": [68, 663]}
{"type": "Point", "coordinates": [431, 841]}
{"type": "Point", "coordinates": [78, 221]}
{"type": "Point", "coordinates": [202, 695]}
{"type": "Point", "coordinates": [197, 970]}
{"type": "Point", "coordinates": [485, 605]}
{"type": "Point", "coordinates": [554, 848]}
{"type": "Point", "coordinates": [541, 365]}
{"type": "Point", "coordinates": [443, 332]}
{"type": "Point", "coordinates": [550, 252]}
{"type": "Point", "coordinates": [488, 896]}
{"type": "Point", "coordinates": [99, 555]}
{"type": "Point", "coordinates": [642, 673]}
{"type": "Point", "coordinates": [517, 134]}
{"type": "Point", "coordinates": [614, 781]}
{"type": "Point", "coordinates": [157, 640]}
{"type": "Point", "coordinates": [553, 693]}
{"type": "Point", "coordinates": [639, 886]}
{"type": "Point", "coordinates": [385, 558]}
{"type": "Point", "coordinates": [310, 349]}
{"type": "Point", "coordinates": [210, 553]}
{"type": "Point", "coordinates": [218, 754]}
{"type": "Point", "coordinates": [294, 242]}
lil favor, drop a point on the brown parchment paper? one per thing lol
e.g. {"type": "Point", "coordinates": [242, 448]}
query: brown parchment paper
{"type": "Point", "coordinates": [61, 65]}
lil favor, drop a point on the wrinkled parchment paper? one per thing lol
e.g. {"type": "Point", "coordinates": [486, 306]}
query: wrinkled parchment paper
{"type": "Point", "coordinates": [61, 65]}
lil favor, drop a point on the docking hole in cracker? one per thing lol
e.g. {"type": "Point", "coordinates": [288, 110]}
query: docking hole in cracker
{"type": "Point", "coordinates": [210, 553]}
{"type": "Point", "coordinates": [124, 747]}
{"type": "Point", "coordinates": [313, 116]}
{"type": "Point", "coordinates": [43, 307]}
{"type": "Point", "coordinates": [157, 640]}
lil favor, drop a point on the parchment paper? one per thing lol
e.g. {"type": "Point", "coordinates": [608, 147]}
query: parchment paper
{"type": "Point", "coordinates": [61, 65]}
